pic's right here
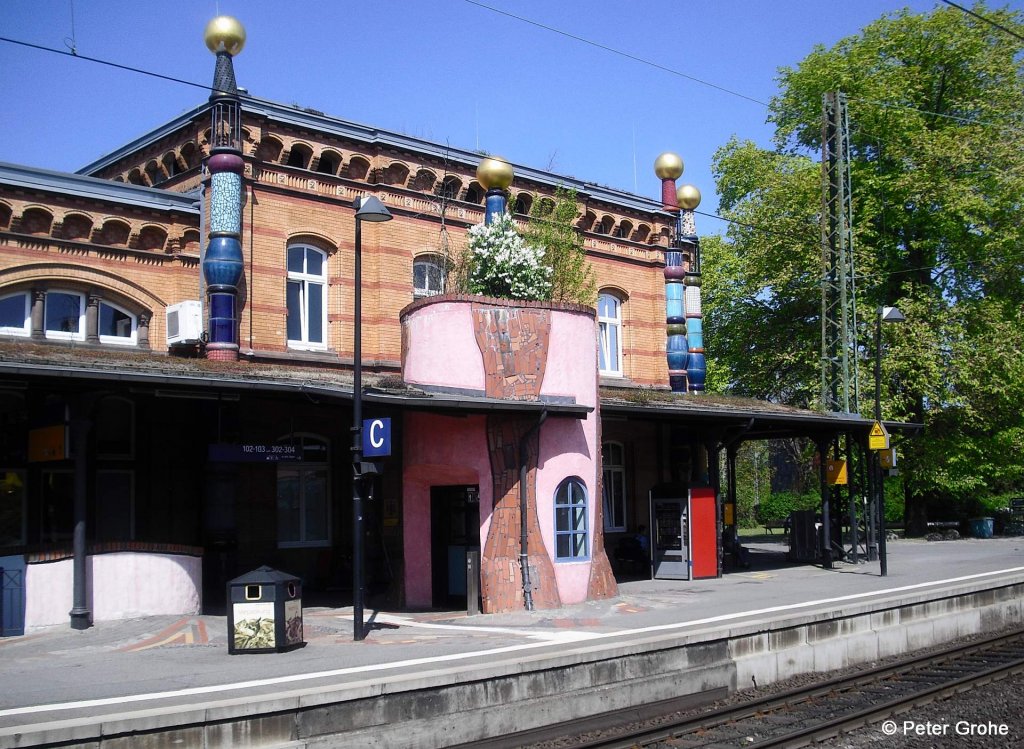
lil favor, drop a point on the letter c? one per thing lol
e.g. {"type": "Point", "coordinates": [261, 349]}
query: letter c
{"type": "Point", "coordinates": [375, 440]}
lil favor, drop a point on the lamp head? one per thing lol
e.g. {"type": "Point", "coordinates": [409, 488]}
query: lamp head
{"type": "Point", "coordinates": [890, 314]}
{"type": "Point", "coordinates": [369, 208]}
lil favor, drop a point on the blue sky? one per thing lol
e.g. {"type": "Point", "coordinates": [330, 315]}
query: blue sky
{"type": "Point", "coordinates": [447, 70]}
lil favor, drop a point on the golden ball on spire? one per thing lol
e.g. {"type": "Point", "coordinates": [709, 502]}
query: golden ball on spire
{"type": "Point", "coordinates": [688, 197]}
{"type": "Point", "coordinates": [494, 172]}
{"type": "Point", "coordinates": [668, 166]}
{"type": "Point", "coordinates": [225, 34]}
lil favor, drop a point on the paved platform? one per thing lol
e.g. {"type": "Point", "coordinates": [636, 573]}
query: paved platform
{"type": "Point", "coordinates": [175, 663]}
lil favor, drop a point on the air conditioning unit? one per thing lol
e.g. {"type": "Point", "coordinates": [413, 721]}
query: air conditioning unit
{"type": "Point", "coordinates": [184, 323]}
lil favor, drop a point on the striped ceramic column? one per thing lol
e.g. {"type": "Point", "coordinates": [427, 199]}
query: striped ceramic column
{"type": "Point", "coordinates": [222, 260]}
{"type": "Point", "coordinates": [669, 167]}
{"type": "Point", "coordinates": [686, 238]}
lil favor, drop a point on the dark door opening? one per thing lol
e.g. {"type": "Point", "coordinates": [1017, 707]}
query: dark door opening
{"type": "Point", "coordinates": [454, 531]}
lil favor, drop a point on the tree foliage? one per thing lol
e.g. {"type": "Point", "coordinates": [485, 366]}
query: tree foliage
{"type": "Point", "coordinates": [554, 230]}
{"type": "Point", "coordinates": [936, 118]}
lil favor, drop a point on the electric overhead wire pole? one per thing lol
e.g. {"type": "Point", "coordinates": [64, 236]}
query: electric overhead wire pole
{"type": "Point", "coordinates": [840, 391]}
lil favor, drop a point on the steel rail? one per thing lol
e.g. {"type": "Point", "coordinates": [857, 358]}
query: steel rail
{"type": "Point", "coordinates": [801, 695]}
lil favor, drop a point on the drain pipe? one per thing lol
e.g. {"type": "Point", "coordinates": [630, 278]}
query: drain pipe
{"type": "Point", "coordinates": [524, 548]}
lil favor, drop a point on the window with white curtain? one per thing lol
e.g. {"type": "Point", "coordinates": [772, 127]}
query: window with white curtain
{"type": "Point", "coordinates": [307, 297]}
{"type": "Point", "coordinates": [609, 334]}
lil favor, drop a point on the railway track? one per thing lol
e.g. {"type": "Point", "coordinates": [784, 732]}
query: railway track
{"type": "Point", "coordinates": [800, 716]}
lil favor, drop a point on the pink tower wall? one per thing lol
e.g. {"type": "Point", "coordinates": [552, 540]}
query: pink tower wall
{"type": "Point", "coordinates": [440, 349]}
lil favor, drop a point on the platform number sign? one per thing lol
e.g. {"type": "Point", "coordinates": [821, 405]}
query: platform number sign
{"type": "Point", "coordinates": [376, 438]}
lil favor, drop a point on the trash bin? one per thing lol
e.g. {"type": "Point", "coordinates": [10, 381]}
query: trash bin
{"type": "Point", "coordinates": [264, 612]}
{"type": "Point", "coordinates": [982, 527]}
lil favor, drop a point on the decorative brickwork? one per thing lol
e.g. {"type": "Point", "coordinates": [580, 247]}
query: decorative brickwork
{"type": "Point", "coordinates": [514, 345]}
{"type": "Point", "coordinates": [501, 573]}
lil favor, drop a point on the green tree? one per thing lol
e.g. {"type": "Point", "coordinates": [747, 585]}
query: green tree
{"type": "Point", "coordinates": [937, 113]}
{"type": "Point", "coordinates": [554, 230]}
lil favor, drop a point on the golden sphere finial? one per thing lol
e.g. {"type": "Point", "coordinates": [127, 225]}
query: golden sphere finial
{"type": "Point", "coordinates": [688, 197]}
{"type": "Point", "coordinates": [494, 172]}
{"type": "Point", "coordinates": [668, 166]}
{"type": "Point", "coordinates": [225, 34]}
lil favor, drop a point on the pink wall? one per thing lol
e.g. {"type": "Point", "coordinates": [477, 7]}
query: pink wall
{"type": "Point", "coordinates": [438, 451]}
{"type": "Point", "coordinates": [440, 349]}
{"type": "Point", "coordinates": [119, 586]}
{"type": "Point", "coordinates": [569, 447]}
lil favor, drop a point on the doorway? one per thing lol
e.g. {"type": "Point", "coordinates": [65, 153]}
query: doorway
{"type": "Point", "coordinates": [454, 532]}
{"type": "Point", "coordinates": [671, 539]}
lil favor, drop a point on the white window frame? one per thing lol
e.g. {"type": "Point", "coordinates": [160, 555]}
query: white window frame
{"type": "Point", "coordinates": [614, 472]}
{"type": "Point", "coordinates": [605, 324]}
{"type": "Point", "coordinates": [129, 340]}
{"type": "Point", "coordinates": [581, 516]}
{"type": "Point", "coordinates": [431, 261]}
{"type": "Point", "coordinates": [302, 467]}
{"type": "Point", "coordinates": [306, 283]}
{"type": "Point", "coordinates": [26, 326]}
{"type": "Point", "coordinates": [61, 335]}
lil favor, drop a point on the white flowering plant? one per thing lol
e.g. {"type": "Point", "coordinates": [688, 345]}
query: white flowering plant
{"type": "Point", "coordinates": [502, 265]}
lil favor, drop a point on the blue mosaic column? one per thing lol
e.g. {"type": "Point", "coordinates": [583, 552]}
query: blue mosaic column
{"type": "Point", "coordinates": [686, 238]}
{"type": "Point", "coordinates": [669, 167]}
{"type": "Point", "coordinates": [222, 261]}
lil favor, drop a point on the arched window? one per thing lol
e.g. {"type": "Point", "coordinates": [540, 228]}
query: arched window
{"type": "Point", "coordinates": [303, 508]}
{"type": "Point", "coordinates": [523, 203]}
{"type": "Point", "coordinates": [450, 188]}
{"type": "Point", "coordinates": [152, 238]}
{"type": "Point", "coordinates": [170, 163]}
{"type": "Point", "coordinates": [15, 312]}
{"type": "Point", "coordinates": [609, 334]}
{"type": "Point", "coordinates": [269, 150]}
{"type": "Point", "coordinates": [76, 226]}
{"type": "Point", "coordinates": [571, 542]}
{"type": "Point", "coordinates": [396, 174]}
{"type": "Point", "coordinates": [474, 193]}
{"type": "Point", "coordinates": [425, 180]}
{"type": "Point", "coordinates": [307, 297]}
{"type": "Point", "coordinates": [328, 163]}
{"type": "Point", "coordinates": [614, 486]}
{"type": "Point", "coordinates": [300, 156]}
{"type": "Point", "coordinates": [36, 221]}
{"type": "Point", "coordinates": [624, 229]}
{"type": "Point", "coordinates": [427, 276]}
{"type": "Point", "coordinates": [358, 168]}
{"type": "Point", "coordinates": [64, 315]}
{"type": "Point", "coordinates": [117, 325]}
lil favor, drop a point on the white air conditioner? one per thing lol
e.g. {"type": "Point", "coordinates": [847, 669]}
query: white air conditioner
{"type": "Point", "coordinates": [184, 323]}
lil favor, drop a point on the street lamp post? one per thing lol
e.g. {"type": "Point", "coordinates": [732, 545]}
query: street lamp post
{"type": "Point", "coordinates": [885, 314]}
{"type": "Point", "coordinates": [368, 208]}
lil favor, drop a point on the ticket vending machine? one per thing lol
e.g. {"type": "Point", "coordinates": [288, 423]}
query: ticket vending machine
{"type": "Point", "coordinates": [684, 532]}
{"type": "Point", "coordinates": [670, 537]}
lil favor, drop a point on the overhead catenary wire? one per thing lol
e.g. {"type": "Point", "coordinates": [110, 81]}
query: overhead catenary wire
{"type": "Point", "coordinates": [989, 21]}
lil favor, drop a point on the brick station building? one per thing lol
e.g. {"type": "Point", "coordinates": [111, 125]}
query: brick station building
{"type": "Point", "coordinates": [181, 470]}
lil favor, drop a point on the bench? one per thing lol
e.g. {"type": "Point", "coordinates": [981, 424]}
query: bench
{"type": "Point", "coordinates": [772, 525]}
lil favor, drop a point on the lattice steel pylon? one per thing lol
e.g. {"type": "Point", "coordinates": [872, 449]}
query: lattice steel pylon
{"type": "Point", "coordinates": [839, 380]}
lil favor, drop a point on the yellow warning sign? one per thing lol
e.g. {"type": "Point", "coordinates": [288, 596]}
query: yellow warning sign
{"type": "Point", "coordinates": [887, 458]}
{"type": "Point", "coordinates": [878, 437]}
{"type": "Point", "coordinates": [836, 471]}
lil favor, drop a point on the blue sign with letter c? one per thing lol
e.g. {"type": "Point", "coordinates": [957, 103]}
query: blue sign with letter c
{"type": "Point", "coordinates": [376, 438]}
